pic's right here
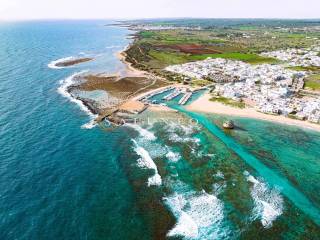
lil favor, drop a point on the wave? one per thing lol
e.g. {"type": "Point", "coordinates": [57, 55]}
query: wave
{"type": "Point", "coordinates": [113, 46]}
{"type": "Point", "coordinates": [173, 156]}
{"type": "Point", "coordinates": [142, 132]}
{"type": "Point", "coordinates": [184, 129]}
{"type": "Point", "coordinates": [54, 63]}
{"type": "Point", "coordinates": [91, 124]}
{"type": "Point", "coordinates": [147, 140]}
{"type": "Point", "coordinates": [146, 162]}
{"type": "Point", "coordinates": [181, 133]}
{"type": "Point", "coordinates": [268, 202]}
{"type": "Point", "coordinates": [63, 90]}
{"type": "Point", "coordinates": [185, 227]}
{"type": "Point", "coordinates": [199, 215]}
{"type": "Point", "coordinates": [174, 137]}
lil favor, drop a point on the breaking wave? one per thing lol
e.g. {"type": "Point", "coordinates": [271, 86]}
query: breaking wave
{"type": "Point", "coordinates": [63, 90]}
{"type": "Point", "coordinates": [181, 133]}
{"type": "Point", "coordinates": [142, 132]}
{"type": "Point", "coordinates": [147, 139]}
{"type": "Point", "coordinates": [173, 156]}
{"type": "Point", "coordinates": [113, 46]}
{"type": "Point", "coordinates": [268, 202]}
{"type": "Point", "coordinates": [199, 215]}
{"type": "Point", "coordinates": [54, 63]}
{"type": "Point", "coordinates": [145, 161]}
{"type": "Point", "coordinates": [184, 129]}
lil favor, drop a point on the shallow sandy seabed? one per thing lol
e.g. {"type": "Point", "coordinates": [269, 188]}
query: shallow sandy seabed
{"type": "Point", "coordinates": [203, 104]}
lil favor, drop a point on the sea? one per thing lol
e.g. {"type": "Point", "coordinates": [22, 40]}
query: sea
{"type": "Point", "coordinates": [172, 175]}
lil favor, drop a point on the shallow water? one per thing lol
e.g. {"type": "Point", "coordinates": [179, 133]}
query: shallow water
{"type": "Point", "coordinates": [167, 178]}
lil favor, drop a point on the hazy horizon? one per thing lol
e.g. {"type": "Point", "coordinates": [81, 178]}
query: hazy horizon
{"type": "Point", "coordinates": [143, 9]}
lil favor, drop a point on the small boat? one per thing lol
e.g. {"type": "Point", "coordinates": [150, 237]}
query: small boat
{"type": "Point", "coordinates": [228, 124]}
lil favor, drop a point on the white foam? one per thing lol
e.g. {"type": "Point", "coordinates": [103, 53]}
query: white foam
{"type": "Point", "coordinates": [173, 156]}
{"type": "Point", "coordinates": [142, 132]}
{"type": "Point", "coordinates": [63, 90]}
{"type": "Point", "coordinates": [268, 202]}
{"type": "Point", "coordinates": [145, 161]}
{"type": "Point", "coordinates": [185, 129]}
{"type": "Point", "coordinates": [89, 125]}
{"type": "Point", "coordinates": [113, 46]}
{"type": "Point", "coordinates": [185, 227]}
{"type": "Point", "coordinates": [199, 215]}
{"type": "Point", "coordinates": [181, 132]}
{"type": "Point", "coordinates": [219, 174]}
{"type": "Point", "coordinates": [155, 180]}
{"type": "Point", "coordinates": [174, 137]}
{"type": "Point", "coordinates": [54, 63]}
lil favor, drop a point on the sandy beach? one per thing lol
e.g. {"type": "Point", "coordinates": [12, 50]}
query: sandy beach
{"type": "Point", "coordinates": [129, 70]}
{"type": "Point", "coordinates": [203, 104]}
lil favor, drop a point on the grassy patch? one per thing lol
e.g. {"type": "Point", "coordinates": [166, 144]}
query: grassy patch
{"type": "Point", "coordinates": [245, 57]}
{"type": "Point", "coordinates": [302, 68]}
{"type": "Point", "coordinates": [201, 83]}
{"type": "Point", "coordinates": [228, 101]}
{"type": "Point", "coordinates": [313, 82]}
{"type": "Point", "coordinates": [168, 58]}
{"type": "Point", "coordinates": [147, 34]}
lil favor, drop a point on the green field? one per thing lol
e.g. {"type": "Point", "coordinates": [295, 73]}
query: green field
{"type": "Point", "coordinates": [169, 58]}
{"type": "Point", "coordinates": [245, 57]}
{"type": "Point", "coordinates": [154, 50]}
{"type": "Point", "coordinates": [302, 68]}
{"type": "Point", "coordinates": [313, 82]}
{"type": "Point", "coordinates": [228, 101]}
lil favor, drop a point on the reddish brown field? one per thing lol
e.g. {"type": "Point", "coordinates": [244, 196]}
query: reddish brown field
{"type": "Point", "coordinates": [191, 48]}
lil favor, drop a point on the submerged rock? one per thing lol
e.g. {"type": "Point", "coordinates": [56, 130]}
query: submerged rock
{"type": "Point", "coordinates": [228, 124]}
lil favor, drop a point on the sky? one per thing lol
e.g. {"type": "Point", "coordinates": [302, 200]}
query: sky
{"type": "Point", "coordinates": [133, 9]}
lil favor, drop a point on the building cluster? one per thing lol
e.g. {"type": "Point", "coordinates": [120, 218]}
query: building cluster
{"type": "Point", "coordinates": [147, 27]}
{"type": "Point", "coordinates": [269, 88]}
{"type": "Point", "coordinates": [297, 57]}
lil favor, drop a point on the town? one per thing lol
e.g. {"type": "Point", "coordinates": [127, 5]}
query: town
{"type": "Point", "coordinates": [297, 57]}
{"type": "Point", "coordinates": [271, 89]}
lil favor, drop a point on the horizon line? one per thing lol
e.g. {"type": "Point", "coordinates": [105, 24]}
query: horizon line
{"type": "Point", "coordinates": [156, 18]}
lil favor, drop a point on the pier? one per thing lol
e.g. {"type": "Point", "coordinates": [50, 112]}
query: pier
{"type": "Point", "coordinates": [150, 95]}
{"type": "Point", "coordinates": [185, 98]}
{"type": "Point", "coordinates": [173, 95]}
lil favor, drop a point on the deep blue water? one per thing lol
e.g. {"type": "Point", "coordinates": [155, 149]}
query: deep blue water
{"type": "Point", "coordinates": [60, 181]}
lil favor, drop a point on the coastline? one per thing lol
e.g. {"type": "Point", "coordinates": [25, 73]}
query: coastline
{"type": "Point", "coordinates": [203, 104]}
{"type": "Point", "coordinates": [129, 69]}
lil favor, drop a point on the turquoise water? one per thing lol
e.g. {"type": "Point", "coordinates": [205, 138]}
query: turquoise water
{"type": "Point", "coordinates": [274, 179]}
{"type": "Point", "coordinates": [167, 178]}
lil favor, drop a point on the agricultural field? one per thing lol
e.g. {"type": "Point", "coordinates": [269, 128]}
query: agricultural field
{"type": "Point", "coordinates": [160, 46]}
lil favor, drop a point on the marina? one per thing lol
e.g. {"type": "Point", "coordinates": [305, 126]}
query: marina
{"type": "Point", "coordinates": [185, 98]}
{"type": "Point", "coordinates": [173, 95]}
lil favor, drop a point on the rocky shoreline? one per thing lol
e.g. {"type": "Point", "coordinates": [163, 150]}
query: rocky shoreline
{"type": "Point", "coordinates": [114, 94]}
{"type": "Point", "coordinates": [71, 62]}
